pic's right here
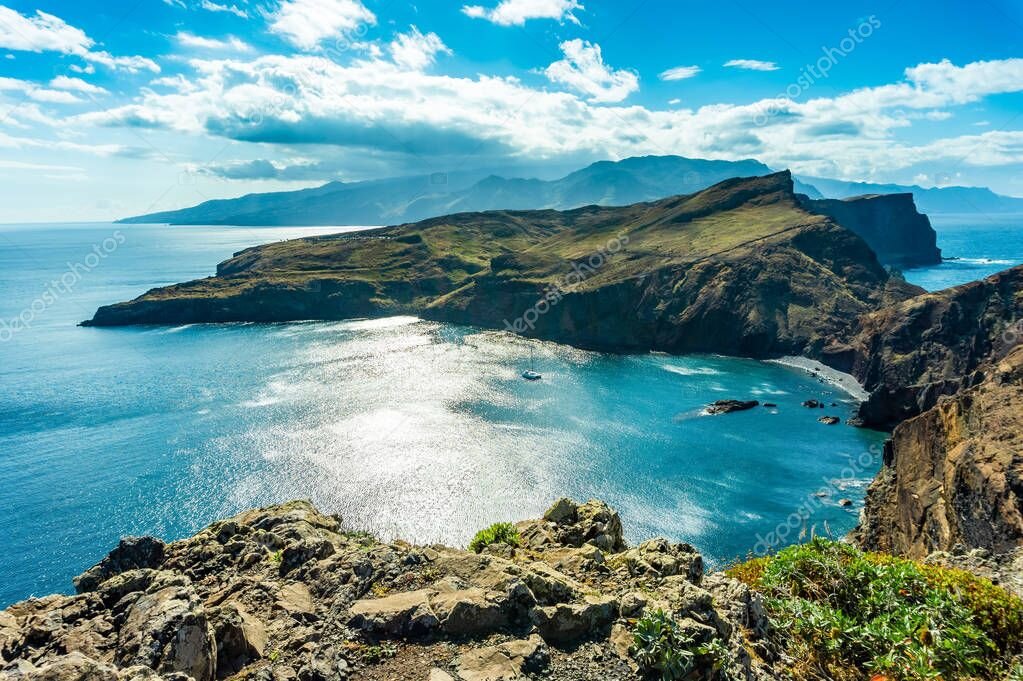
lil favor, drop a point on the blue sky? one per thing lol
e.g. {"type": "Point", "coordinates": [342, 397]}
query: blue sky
{"type": "Point", "coordinates": [114, 108]}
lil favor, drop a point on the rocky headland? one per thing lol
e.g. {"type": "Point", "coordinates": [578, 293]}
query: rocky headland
{"type": "Point", "coordinates": [740, 268]}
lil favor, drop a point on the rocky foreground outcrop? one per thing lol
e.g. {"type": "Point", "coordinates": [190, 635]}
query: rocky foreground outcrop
{"type": "Point", "coordinates": [284, 594]}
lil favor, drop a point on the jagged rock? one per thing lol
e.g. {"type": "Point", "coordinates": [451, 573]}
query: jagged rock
{"type": "Point", "coordinates": [563, 512]}
{"type": "Point", "coordinates": [208, 612]}
{"type": "Point", "coordinates": [661, 558]}
{"type": "Point", "coordinates": [132, 553]}
{"type": "Point", "coordinates": [404, 614]}
{"type": "Point", "coordinates": [730, 406]}
{"type": "Point", "coordinates": [813, 404]}
{"type": "Point", "coordinates": [240, 637]}
{"type": "Point", "coordinates": [548, 585]}
{"type": "Point", "coordinates": [505, 662]}
{"type": "Point", "coordinates": [829, 420]}
{"type": "Point", "coordinates": [569, 622]}
{"type": "Point", "coordinates": [167, 630]}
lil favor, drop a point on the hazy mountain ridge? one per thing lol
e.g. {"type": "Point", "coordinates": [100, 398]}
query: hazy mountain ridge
{"type": "Point", "coordinates": [414, 198]}
{"type": "Point", "coordinates": [606, 183]}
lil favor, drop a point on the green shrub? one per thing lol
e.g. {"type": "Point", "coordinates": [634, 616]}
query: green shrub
{"type": "Point", "coordinates": [498, 533]}
{"type": "Point", "coordinates": [663, 650]}
{"type": "Point", "coordinates": [851, 614]}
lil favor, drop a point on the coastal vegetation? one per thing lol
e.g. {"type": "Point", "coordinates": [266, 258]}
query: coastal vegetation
{"type": "Point", "coordinates": [848, 614]}
{"type": "Point", "coordinates": [498, 533]}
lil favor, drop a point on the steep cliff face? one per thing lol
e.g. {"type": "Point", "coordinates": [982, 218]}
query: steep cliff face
{"type": "Point", "coordinates": [954, 474]}
{"type": "Point", "coordinates": [911, 353]}
{"type": "Point", "coordinates": [738, 268]}
{"type": "Point", "coordinates": [889, 223]}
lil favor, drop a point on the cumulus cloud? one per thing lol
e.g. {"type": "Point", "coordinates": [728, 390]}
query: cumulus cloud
{"type": "Point", "coordinates": [306, 23]}
{"type": "Point", "coordinates": [187, 39]}
{"type": "Point", "coordinates": [76, 85]}
{"type": "Point", "coordinates": [44, 32]}
{"type": "Point", "coordinates": [38, 93]}
{"type": "Point", "coordinates": [752, 65]}
{"type": "Point", "coordinates": [415, 51]}
{"type": "Point", "coordinates": [680, 73]}
{"type": "Point", "coordinates": [518, 12]}
{"type": "Point", "coordinates": [583, 69]}
{"type": "Point", "coordinates": [377, 109]}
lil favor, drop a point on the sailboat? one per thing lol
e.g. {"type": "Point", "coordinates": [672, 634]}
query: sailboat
{"type": "Point", "coordinates": [531, 374]}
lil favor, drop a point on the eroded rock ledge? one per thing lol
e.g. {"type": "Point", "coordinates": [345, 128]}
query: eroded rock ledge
{"type": "Point", "coordinates": [284, 594]}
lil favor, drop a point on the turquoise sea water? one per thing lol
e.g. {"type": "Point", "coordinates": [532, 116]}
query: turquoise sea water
{"type": "Point", "coordinates": [406, 428]}
{"type": "Point", "coordinates": [981, 244]}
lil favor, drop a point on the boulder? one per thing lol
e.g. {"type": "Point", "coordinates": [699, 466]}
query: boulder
{"type": "Point", "coordinates": [470, 612]}
{"type": "Point", "coordinates": [400, 615]}
{"type": "Point", "coordinates": [71, 667]}
{"type": "Point", "coordinates": [167, 630]}
{"type": "Point", "coordinates": [296, 600]}
{"type": "Point", "coordinates": [829, 420]}
{"type": "Point", "coordinates": [240, 637]}
{"type": "Point", "coordinates": [505, 662]}
{"type": "Point", "coordinates": [567, 623]}
{"type": "Point", "coordinates": [132, 553]}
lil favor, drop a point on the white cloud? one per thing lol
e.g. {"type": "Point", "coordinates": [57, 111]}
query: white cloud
{"type": "Point", "coordinates": [583, 69]}
{"type": "Point", "coordinates": [518, 12]}
{"type": "Point", "coordinates": [37, 93]}
{"type": "Point", "coordinates": [752, 65]}
{"type": "Point", "coordinates": [76, 85]}
{"type": "Point", "coordinates": [187, 39]}
{"type": "Point", "coordinates": [382, 113]}
{"type": "Point", "coordinates": [44, 32]}
{"type": "Point", "coordinates": [416, 51]}
{"type": "Point", "coordinates": [53, 96]}
{"type": "Point", "coordinates": [41, 33]}
{"type": "Point", "coordinates": [680, 73]}
{"type": "Point", "coordinates": [232, 9]}
{"type": "Point", "coordinates": [306, 23]}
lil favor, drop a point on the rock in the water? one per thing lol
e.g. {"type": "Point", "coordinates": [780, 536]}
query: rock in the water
{"type": "Point", "coordinates": [830, 420]}
{"type": "Point", "coordinates": [813, 404]}
{"type": "Point", "coordinates": [729, 406]}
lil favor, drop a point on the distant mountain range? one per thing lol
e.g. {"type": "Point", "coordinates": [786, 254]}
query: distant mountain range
{"type": "Point", "coordinates": [606, 183]}
{"type": "Point", "coordinates": [935, 200]}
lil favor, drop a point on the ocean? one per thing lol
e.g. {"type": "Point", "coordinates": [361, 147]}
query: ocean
{"type": "Point", "coordinates": [404, 427]}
